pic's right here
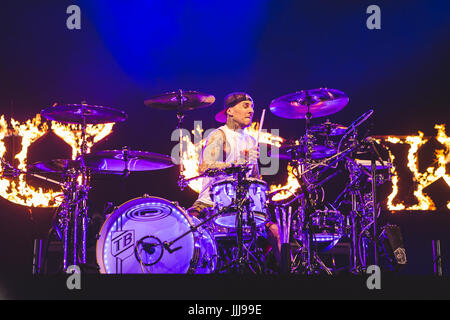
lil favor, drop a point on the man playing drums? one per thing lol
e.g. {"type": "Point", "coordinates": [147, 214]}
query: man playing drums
{"type": "Point", "coordinates": [227, 146]}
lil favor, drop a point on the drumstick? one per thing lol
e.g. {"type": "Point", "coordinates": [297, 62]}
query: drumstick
{"type": "Point", "coordinates": [260, 126]}
{"type": "Point", "coordinates": [257, 139]}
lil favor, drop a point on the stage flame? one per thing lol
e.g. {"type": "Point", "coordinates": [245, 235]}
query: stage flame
{"type": "Point", "coordinates": [287, 190]}
{"type": "Point", "coordinates": [72, 135]}
{"type": "Point", "coordinates": [18, 190]}
{"type": "Point", "coordinates": [423, 180]}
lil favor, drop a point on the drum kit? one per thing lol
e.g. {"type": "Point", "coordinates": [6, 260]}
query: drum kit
{"type": "Point", "coordinates": [155, 235]}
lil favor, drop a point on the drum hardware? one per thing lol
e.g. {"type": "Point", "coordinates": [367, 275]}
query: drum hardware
{"type": "Point", "coordinates": [328, 129]}
{"type": "Point", "coordinates": [149, 248]}
{"type": "Point", "coordinates": [358, 169]}
{"type": "Point", "coordinates": [73, 215]}
{"type": "Point", "coordinates": [180, 101]}
{"type": "Point", "coordinates": [312, 160]}
{"type": "Point", "coordinates": [68, 220]}
{"type": "Point", "coordinates": [237, 208]}
{"type": "Point", "coordinates": [284, 227]}
{"type": "Point", "coordinates": [137, 233]}
{"type": "Point", "coordinates": [125, 161]}
{"type": "Point", "coordinates": [167, 244]}
{"type": "Point", "coordinates": [311, 261]}
{"type": "Point", "coordinates": [83, 114]}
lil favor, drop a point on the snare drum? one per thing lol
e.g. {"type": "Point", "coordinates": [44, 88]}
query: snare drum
{"type": "Point", "coordinates": [131, 240]}
{"type": "Point", "coordinates": [223, 194]}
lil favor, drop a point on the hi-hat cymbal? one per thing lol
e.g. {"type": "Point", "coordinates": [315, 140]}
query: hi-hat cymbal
{"type": "Point", "coordinates": [55, 165]}
{"type": "Point", "coordinates": [83, 113]}
{"type": "Point", "coordinates": [181, 101]}
{"type": "Point", "coordinates": [317, 102]}
{"type": "Point", "coordinates": [292, 151]}
{"type": "Point", "coordinates": [328, 129]}
{"type": "Point", "coordinates": [117, 161]}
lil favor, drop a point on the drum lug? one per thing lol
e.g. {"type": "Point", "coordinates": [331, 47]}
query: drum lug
{"type": "Point", "coordinates": [146, 195]}
{"type": "Point", "coordinates": [175, 203]}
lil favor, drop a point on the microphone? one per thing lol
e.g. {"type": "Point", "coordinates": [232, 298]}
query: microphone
{"type": "Point", "coordinates": [149, 247]}
{"type": "Point", "coordinates": [166, 246]}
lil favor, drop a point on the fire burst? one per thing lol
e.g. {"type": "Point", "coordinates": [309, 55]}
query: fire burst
{"type": "Point", "coordinates": [18, 191]}
{"type": "Point", "coordinates": [72, 135]}
{"type": "Point", "coordinates": [426, 178]}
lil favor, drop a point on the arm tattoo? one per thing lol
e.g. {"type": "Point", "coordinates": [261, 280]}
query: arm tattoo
{"type": "Point", "coordinates": [213, 154]}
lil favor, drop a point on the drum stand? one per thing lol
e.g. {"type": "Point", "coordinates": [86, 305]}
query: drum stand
{"type": "Point", "coordinates": [242, 205]}
{"type": "Point", "coordinates": [74, 221]}
{"type": "Point", "coordinates": [74, 213]}
{"type": "Point", "coordinates": [311, 261]}
{"type": "Point", "coordinates": [239, 206]}
{"type": "Point", "coordinates": [353, 188]}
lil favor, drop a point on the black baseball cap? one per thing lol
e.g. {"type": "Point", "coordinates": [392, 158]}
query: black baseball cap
{"type": "Point", "coordinates": [230, 101]}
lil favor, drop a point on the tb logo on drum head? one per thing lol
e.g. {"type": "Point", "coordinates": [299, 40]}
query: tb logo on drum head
{"type": "Point", "coordinates": [121, 242]}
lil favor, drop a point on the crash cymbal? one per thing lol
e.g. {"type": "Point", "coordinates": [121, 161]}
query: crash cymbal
{"type": "Point", "coordinates": [328, 129]}
{"type": "Point", "coordinates": [318, 102]}
{"type": "Point", "coordinates": [83, 113]}
{"type": "Point", "coordinates": [113, 161]}
{"type": "Point", "coordinates": [181, 101]}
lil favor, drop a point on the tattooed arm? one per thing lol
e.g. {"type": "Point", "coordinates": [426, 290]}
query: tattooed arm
{"type": "Point", "coordinates": [213, 154]}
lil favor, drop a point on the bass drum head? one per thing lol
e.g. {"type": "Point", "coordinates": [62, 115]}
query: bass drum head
{"type": "Point", "coordinates": [131, 238]}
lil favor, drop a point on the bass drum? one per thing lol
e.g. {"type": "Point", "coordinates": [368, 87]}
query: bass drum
{"type": "Point", "coordinates": [131, 240]}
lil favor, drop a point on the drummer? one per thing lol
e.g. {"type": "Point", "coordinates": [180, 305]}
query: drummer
{"type": "Point", "coordinates": [231, 145]}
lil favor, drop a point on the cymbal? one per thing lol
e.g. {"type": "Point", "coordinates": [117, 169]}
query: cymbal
{"type": "Point", "coordinates": [181, 101]}
{"type": "Point", "coordinates": [112, 161]}
{"type": "Point", "coordinates": [318, 102]}
{"type": "Point", "coordinates": [83, 113]}
{"type": "Point", "coordinates": [328, 129]}
{"type": "Point", "coordinates": [55, 165]}
{"type": "Point", "coordinates": [62, 166]}
{"type": "Point", "coordinates": [292, 151]}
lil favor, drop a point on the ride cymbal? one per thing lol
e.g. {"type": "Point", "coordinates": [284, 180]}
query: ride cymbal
{"type": "Point", "coordinates": [316, 103]}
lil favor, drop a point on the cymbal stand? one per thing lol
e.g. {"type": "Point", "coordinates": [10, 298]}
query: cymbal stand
{"type": "Point", "coordinates": [355, 219]}
{"type": "Point", "coordinates": [74, 210]}
{"type": "Point", "coordinates": [284, 227]}
{"type": "Point", "coordinates": [180, 117]}
{"type": "Point", "coordinates": [311, 261]}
